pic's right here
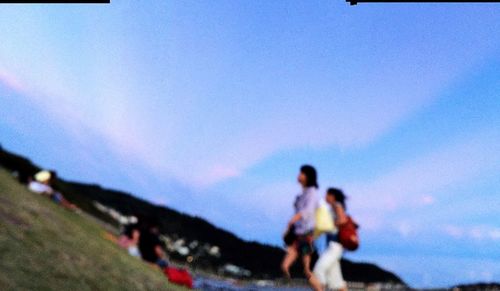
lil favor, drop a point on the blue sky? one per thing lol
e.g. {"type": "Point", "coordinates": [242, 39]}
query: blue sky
{"type": "Point", "coordinates": [211, 108]}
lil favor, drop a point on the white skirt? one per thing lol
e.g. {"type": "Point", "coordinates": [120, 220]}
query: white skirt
{"type": "Point", "coordinates": [327, 268]}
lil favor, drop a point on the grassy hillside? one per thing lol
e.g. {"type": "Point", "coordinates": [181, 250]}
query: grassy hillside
{"type": "Point", "coordinates": [45, 247]}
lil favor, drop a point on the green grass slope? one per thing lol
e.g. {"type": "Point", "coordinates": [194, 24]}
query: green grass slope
{"type": "Point", "coordinates": [46, 247]}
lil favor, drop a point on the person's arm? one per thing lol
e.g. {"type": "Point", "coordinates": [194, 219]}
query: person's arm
{"type": "Point", "coordinates": [294, 219]}
{"type": "Point", "coordinates": [159, 252]}
{"type": "Point", "coordinates": [340, 215]}
{"type": "Point", "coordinates": [135, 236]}
{"type": "Point", "coordinates": [159, 245]}
{"type": "Point", "coordinates": [48, 191]}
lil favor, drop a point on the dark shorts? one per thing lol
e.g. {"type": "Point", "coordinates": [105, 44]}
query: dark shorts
{"type": "Point", "coordinates": [304, 244]}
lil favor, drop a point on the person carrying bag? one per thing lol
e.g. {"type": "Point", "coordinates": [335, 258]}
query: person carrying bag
{"type": "Point", "coordinates": [327, 268]}
{"type": "Point", "coordinates": [299, 233]}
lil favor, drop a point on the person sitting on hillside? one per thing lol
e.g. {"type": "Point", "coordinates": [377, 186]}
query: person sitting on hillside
{"type": "Point", "coordinates": [42, 184]}
{"type": "Point", "coordinates": [150, 245]}
{"type": "Point", "coordinates": [129, 239]}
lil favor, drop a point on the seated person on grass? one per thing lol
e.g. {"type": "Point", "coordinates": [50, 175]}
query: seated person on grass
{"type": "Point", "coordinates": [150, 245]}
{"type": "Point", "coordinates": [129, 239]}
{"type": "Point", "coordinates": [42, 184]}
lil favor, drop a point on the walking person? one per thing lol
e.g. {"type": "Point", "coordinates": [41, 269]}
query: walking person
{"type": "Point", "coordinates": [302, 223]}
{"type": "Point", "coordinates": [327, 268]}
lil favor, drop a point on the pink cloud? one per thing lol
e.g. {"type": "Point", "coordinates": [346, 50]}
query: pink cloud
{"type": "Point", "coordinates": [218, 172]}
{"type": "Point", "coordinates": [428, 200]}
{"type": "Point", "coordinates": [12, 82]}
{"type": "Point", "coordinates": [454, 231]}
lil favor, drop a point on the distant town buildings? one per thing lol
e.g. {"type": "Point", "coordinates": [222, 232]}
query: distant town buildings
{"type": "Point", "coordinates": [191, 250]}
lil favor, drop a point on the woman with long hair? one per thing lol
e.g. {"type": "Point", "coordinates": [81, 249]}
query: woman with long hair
{"type": "Point", "coordinates": [327, 268]}
{"type": "Point", "coordinates": [302, 223]}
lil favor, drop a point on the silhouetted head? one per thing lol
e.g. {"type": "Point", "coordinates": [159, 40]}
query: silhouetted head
{"type": "Point", "coordinates": [148, 224]}
{"type": "Point", "coordinates": [308, 176]}
{"type": "Point", "coordinates": [335, 195]}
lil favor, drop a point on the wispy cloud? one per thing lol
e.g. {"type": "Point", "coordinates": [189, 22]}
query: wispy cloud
{"type": "Point", "coordinates": [439, 271]}
{"type": "Point", "coordinates": [12, 82]}
{"type": "Point", "coordinates": [478, 233]}
{"type": "Point", "coordinates": [132, 133]}
{"type": "Point", "coordinates": [185, 123]}
{"type": "Point", "coordinates": [418, 182]}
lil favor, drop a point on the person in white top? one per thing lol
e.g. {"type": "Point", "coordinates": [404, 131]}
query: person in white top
{"type": "Point", "coordinates": [42, 184]}
{"type": "Point", "coordinates": [302, 223]}
{"type": "Point", "coordinates": [327, 268]}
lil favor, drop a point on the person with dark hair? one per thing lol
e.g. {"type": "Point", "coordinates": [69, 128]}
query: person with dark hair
{"type": "Point", "coordinates": [327, 268]}
{"type": "Point", "coordinates": [150, 245]}
{"type": "Point", "coordinates": [302, 223]}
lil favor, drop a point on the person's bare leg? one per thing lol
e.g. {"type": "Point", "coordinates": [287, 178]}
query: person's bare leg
{"type": "Point", "coordinates": [313, 281]}
{"type": "Point", "coordinates": [288, 260]}
{"type": "Point", "coordinates": [65, 203]}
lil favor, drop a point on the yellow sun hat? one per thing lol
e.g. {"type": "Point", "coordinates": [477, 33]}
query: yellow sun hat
{"type": "Point", "coordinates": [43, 176]}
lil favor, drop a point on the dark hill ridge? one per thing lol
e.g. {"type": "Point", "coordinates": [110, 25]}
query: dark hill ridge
{"type": "Point", "coordinates": [262, 260]}
{"type": "Point", "coordinates": [477, 287]}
